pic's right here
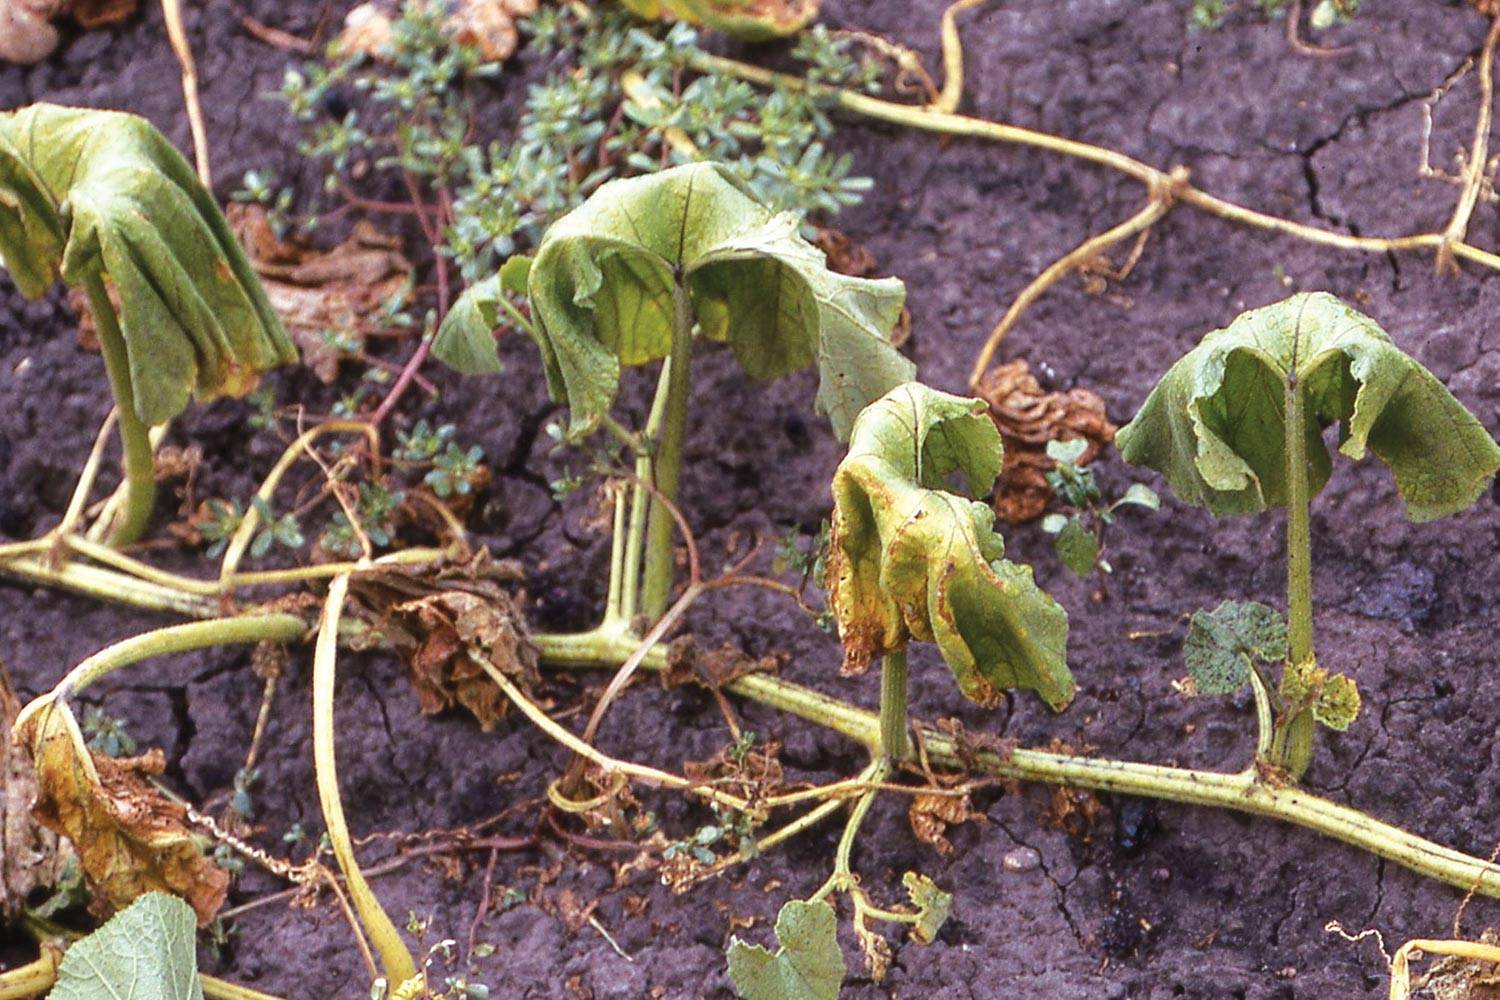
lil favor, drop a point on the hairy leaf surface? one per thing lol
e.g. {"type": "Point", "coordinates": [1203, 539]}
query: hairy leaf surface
{"type": "Point", "coordinates": [85, 193]}
{"type": "Point", "coordinates": [144, 952]}
{"type": "Point", "coordinates": [1214, 425]}
{"type": "Point", "coordinates": [909, 559]}
{"type": "Point", "coordinates": [601, 293]}
{"type": "Point", "coordinates": [808, 966]}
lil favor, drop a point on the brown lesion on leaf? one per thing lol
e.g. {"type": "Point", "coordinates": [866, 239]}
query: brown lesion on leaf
{"type": "Point", "coordinates": [1028, 417]}
{"type": "Point", "coordinates": [32, 857]}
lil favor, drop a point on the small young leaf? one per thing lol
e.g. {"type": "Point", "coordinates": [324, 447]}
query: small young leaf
{"type": "Point", "coordinates": [1077, 547]}
{"type": "Point", "coordinates": [808, 966]}
{"type": "Point", "coordinates": [1053, 524]}
{"type": "Point", "coordinates": [144, 952]}
{"type": "Point", "coordinates": [932, 906]}
{"type": "Point", "coordinates": [1140, 495]}
{"type": "Point", "coordinates": [910, 560]}
{"type": "Point", "coordinates": [1215, 424]}
{"type": "Point", "coordinates": [1067, 452]}
{"type": "Point", "coordinates": [1219, 644]}
{"type": "Point", "coordinates": [1333, 698]}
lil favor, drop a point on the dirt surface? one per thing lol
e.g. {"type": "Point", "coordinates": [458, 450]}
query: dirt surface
{"type": "Point", "coordinates": [1212, 904]}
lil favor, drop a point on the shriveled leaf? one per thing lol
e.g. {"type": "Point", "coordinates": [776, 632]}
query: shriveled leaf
{"type": "Point", "coordinates": [930, 814]}
{"type": "Point", "coordinates": [145, 952]}
{"type": "Point", "coordinates": [32, 858]}
{"type": "Point", "coordinates": [85, 193]}
{"type": "Point", "coordinates": [932, 906]}
{"type": "Point", "coordinates": [745, 20]}
{"type": "Point", "coordinates": [1215, 424]}
{"type": "Point", "coordinates": [26, 32]}
{"type": "Point", "coordinates": [327, 299]}
{"type": "Point", "coordinates": [1030, 418]}
{"type": "Point", "coordinates": [808, 966]}
{"type": "Point", "coordinates": [488, 26]}
{"type": "Point", "coordinates": [602, 289]}
{"type": "Point", "coordinates": [1077, 547]}
{"type": "Point", "coordinates": [130, 838]}
{"type": "Point", "coordinates": [1333, 699]}
{"type": "Point", "coordinates": [1220, 643]}
{"type": "Point", "coordinates": [445, 623]}
{"type": "Point", "coordinates": [911, 560]}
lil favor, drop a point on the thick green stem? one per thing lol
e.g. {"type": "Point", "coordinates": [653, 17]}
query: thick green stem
{"type": "Point", "coordinates": [1292, 747]}
{"type": "Point", "coordinates": [30, 980]}
{"type": "Point", "coordinates": [657, 590]}
{"type": "Point", "coordinates": [135, 437]}
{"type": "Point", "coordinates": [640, 500]}
{"type": "Point", "coordinates": [1243, 792]}
{"type": "Point", "coordinates": [894, 742]}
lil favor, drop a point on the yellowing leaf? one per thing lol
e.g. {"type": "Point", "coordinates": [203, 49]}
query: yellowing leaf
{"type": "Point", "coordinates": [1220, 643]}
{"type": "Point", "coordinates": [602, 284]}
{"type": "Point", "coordinates": [129, 837]}
{"type": "Point", "coordinates": [1333, 699]}
{"type": "Point", "coordinates": [84, 193]}
{"type": "Point", "coordinates": [1214, 425]}
{"type": "Point", "coordinates": [911, 560]}
{"type": "Point", "coordinates": [807, 966]}
{"type": "Point", "coordinates": [145, 952]}
{"type": "Point", "coordinates": [932, 906]}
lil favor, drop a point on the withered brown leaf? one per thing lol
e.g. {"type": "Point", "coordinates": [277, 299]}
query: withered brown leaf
{"type": "Point", "coordinates": [31, 856]}
{"type": "Point", "coordinates": [931, 813]}
{"type": "Point", "coordinates": [316, 292]}
{"type": "Point", "coordinates": [1028, 417]}
{"type": "Point", "coordinates": [487, 25]}
{"type": "Point", "coordinates": [130, 838]}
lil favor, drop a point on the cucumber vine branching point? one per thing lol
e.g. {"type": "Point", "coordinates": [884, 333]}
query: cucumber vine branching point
{"type": "Point", "coordinates": [103, 201]}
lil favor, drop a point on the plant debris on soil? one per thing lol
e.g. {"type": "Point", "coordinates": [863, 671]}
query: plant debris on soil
{"type": "Point", "coordinates": [1047, 901]}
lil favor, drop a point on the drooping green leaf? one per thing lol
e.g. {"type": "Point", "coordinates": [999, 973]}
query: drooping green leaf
{"type": "Point", "coordinates": [1214, 425]}
{"type": "Point", "coordinates": [602, 286]}
{"type": "Point", "coordinates": [1077, 546]}
{"type": "Point", "coordinates": [909, 559]}
{"type": "Point", "coordinates": [932, 903]}
{"type": "Point", "coordinates": [144, 952]}
{"type": "Point", "coordinates": [808, 966]}
{"type": "Point", "coordinates": [84, 193]}
{"type": "Point", "coordinates": [1220, 643]}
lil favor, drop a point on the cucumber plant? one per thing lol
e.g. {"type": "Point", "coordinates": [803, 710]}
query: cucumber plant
{"type": "Point", "coordinates": [102, 200]}
{"type": "Point", "coordinates": [1236, 427]}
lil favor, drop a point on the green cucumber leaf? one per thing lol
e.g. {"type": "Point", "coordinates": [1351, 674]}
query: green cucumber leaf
{"type": "Point", "coordinates": [88, 193]}
{"type": "Point", "coordinates": [144, 952]}
{"type": "Point", "coordinates": [601, 292]}
{"type": "Point", "coordinates": [808, 966]}
{"type": "Point", "coordinates": [911, 560]}
{"type": "Point", "coordinates": [1214, 425]}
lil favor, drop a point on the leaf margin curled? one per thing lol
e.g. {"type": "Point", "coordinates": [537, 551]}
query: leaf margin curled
{"type": "Point", "coordinates": [908, 559]}
{"type": "Point", "coordinates": [151, 931]}
{"type": "Point", "coordinates": [87, 193]}
{"type": "Point", "coordinates": [807, 965]}
{"type": "Point", "coordinates": [600, 290]}
{"type": "Point", "coordinates": [1384, 400]}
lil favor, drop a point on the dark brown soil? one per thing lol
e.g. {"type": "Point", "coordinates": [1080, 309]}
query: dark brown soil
{"type": "Point", "coordinates": [1212, 904]}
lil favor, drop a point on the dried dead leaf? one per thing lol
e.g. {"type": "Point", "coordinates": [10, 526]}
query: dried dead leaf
{"type": "Point", "coordinates": [1028, 417]}
{"type": "Point", "coordinates": [487, 25]}
{"type": "Point", "coordinates": [328, 300]}
{"type": "Point", "coordinates": [931, 813]}
{"type": "Point", "coordinates": [26, 32]}
{"type": "Point", "coordinates": [31, 856]}
{"type": "Point", "coordinates": [130, 838]}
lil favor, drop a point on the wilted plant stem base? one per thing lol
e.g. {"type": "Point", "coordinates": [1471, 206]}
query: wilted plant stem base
{"type": "Point", "coordinates": [140, 459]}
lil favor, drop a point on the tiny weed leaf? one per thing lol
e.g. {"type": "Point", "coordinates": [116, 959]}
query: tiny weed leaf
{"type": "Point", "coordinates": [909, 559]}
{"type": "Point", "coordinates": [601, 292]}
{"type": "Point", "coordinates": [1077, 546]}
{"type": "Point", "coordinates": [1140, 495]}
{"type": "Point", "coordinates": [1214, 424]}
{"type": "Point", "coordinates": [932, 906]}
{"type": "Point", "coordinates": [144, 952]}
{"type": "Point", "coordinates": [1220, 643]}
{"type": "Point", "coordinates": [808, 966]}
{"type": "Point", "coordinates": [86, 193]}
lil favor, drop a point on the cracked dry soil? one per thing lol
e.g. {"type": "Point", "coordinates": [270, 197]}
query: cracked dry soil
{"type": "Point", "coordinates": [1211, 904]}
